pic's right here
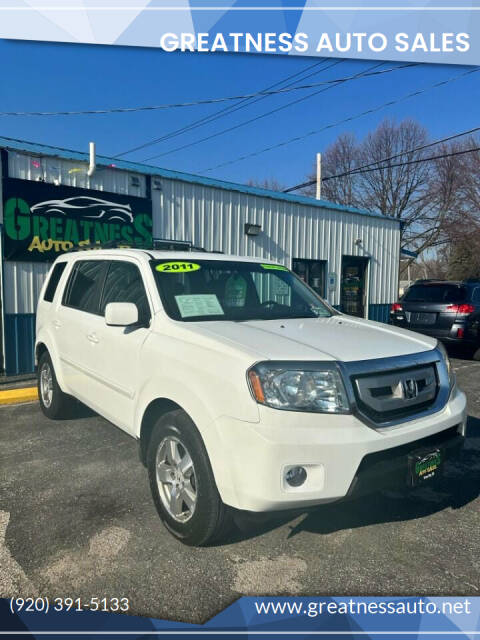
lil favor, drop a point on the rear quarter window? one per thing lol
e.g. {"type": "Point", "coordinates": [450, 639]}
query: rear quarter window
{"type": "Point", "coordinates": [476, 295]}
{"type": "Point", "coordinates": [53, 281]}
{"type": "Point", "coordinates": [85, 284]}
{"type": "Point", "coordinates": [439, 293]}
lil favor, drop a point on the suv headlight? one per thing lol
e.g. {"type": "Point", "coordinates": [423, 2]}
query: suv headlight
{"type": "Point", "coordinates": [316, 387]}
{"type": "Point", "coordinates": [451, 374]}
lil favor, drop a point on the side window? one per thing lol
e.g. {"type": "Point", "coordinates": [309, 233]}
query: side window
{"type": "Point", "coordinates": [52, 285]}
{"type": "Point", "coordinates": [476, 295]}
{"type": "Point", "coordinates": [84, 286]}
{"type": "Point", "coordinates": [124, 284]}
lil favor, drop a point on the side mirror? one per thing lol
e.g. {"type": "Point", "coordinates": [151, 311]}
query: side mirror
{"type": "Point", "coordinates": [121, 314]}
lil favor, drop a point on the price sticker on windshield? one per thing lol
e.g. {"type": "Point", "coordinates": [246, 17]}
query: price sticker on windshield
{"type": "Point", "coordinates": [177, 267]}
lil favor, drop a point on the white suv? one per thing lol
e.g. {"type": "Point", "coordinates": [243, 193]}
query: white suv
{"type": "Point", "coordinates": [242, 387]}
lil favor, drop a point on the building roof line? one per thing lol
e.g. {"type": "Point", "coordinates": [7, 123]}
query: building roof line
{"type": "Point", "coordinates": [106, 162]}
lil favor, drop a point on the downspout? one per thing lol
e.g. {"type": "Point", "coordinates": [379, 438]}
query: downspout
{"type": "Point", "coordinates": [93, 162]}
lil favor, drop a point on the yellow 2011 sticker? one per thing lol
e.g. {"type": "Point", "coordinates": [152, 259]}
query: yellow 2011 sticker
{"type": "Point", "coordinates": [177, 267]}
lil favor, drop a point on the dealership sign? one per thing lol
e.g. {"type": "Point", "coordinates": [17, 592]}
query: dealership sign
{"type": "Point", "coordinates": [41, 220]}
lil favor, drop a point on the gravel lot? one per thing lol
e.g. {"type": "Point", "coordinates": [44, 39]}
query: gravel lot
{"type": "Point", "coordinates": [77, 519]}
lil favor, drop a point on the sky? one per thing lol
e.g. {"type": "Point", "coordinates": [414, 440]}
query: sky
{"type": "Point", "coordinates": [55, 77]}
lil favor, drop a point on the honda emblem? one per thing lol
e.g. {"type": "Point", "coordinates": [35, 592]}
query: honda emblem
{"type": "Point", "coordinates": [410, 388]}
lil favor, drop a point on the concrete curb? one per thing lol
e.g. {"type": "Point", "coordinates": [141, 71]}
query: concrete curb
{"type": "Point", "coordinates": [16, 396]}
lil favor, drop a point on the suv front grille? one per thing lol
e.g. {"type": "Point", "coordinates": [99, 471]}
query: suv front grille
{"type": "Point", "coordinates": [396, 394]}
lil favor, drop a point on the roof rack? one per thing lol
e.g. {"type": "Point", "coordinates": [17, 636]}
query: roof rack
{"type": "Point", "coordinates": [158, 244]}
{"type": "Point", "coordinates": [110, 244]}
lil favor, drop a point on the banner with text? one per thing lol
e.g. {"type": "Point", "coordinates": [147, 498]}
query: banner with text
{"type": "Point", "coordinates": [326, 617]}
{"type": "Point", "coordinates": [41, 220]}
{"type": "Point", "coordinates": [440, 32]}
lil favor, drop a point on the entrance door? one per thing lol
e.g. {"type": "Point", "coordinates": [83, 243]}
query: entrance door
{"type": "Point", "coordinates": [353, 293]}
{"type": "Point", "coordinates": [312, 272]}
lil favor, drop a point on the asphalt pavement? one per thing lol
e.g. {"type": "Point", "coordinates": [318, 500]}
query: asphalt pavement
{"type": "Point", "coordinates": [77, 519]}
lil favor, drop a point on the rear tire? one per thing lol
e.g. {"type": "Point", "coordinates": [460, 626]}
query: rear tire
{"type": "Point", "coordinates": [476, 354]}
{"type": "Point", "coordinates": [182, 482]}
{"type": "Point", "coordinates": [53, 402]}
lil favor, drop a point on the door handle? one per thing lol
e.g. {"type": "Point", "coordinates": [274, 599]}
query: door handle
{"type": "Point", "coordinates": [57, 324]}
{"type": "Point", "coordinates": [92, 337]}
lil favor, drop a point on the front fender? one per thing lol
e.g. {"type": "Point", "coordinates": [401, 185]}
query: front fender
{"type": "Point", "coordinates": [206, 383]}
{"type": "Point", "coordinates": [44, 337]}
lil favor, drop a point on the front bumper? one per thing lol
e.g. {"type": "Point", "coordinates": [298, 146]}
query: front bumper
{"type": "Point", "coordinates": [251, 458]}
{"type": "Point", "coordinates": [389, 469]}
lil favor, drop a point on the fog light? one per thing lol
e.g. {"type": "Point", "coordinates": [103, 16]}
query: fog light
{"type": "Point", "coordinates": [296, 476]}
{"type": "Point", "coordinates": [460, 333]}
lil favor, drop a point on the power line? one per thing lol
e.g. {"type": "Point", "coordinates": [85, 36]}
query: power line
{"type": "Point", "coordinates": [259, 117]}
{"type": "Point", "coordinates": [195, 103]}
{"type": "Point", "coordinates": [400, 164]}
{"type": "Point", "coordinates": [376, 162]}
{"type": "Point", "coordinates": [417, 161]}
{"type": "Point", "coordinates": [246, 102]}
{"type": "Point", "coordinates": [339, 122]}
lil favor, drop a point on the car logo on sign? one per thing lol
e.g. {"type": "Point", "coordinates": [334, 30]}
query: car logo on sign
{"type": "Point", "coordinates": [410, 388]}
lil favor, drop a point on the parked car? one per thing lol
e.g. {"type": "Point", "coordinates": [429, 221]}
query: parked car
{"type": "Point", "coordinates": [449, 311]}
{"type": "Point", "coordinates": [243, 388]}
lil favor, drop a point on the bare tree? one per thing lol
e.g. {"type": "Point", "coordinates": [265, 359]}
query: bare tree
{"type": "Point", "coordinates": [464, 256]}
{"type": "Point", "coordinates": [393, 188]}
{"type": "Point", "coordinates": [469, 168]}
{"type": "Point", "coordinates": [429, 197]}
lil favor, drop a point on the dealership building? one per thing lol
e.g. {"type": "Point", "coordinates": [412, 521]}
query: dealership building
{"type": "Point", "coordinates": [55, 200]}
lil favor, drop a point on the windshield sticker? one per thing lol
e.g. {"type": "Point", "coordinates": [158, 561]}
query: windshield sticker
{"type": "Point", "coordinates": [177, 267]}
{"type": "Point", "coordinates": [199, 305]}
{"type": "Point", "coordinates": [278, 267]}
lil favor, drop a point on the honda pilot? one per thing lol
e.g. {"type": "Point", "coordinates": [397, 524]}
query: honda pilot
{"type": "Point", "coordinates": [242, 387]}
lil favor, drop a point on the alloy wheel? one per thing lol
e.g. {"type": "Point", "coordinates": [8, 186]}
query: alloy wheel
{"type": "Point", "coordinates": [176, 479]}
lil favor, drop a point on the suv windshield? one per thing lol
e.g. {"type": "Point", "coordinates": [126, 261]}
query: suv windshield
{"type": "Point", "coordinates": [435, 293]}
{"type": "Point", "coordinates": [228, 290]}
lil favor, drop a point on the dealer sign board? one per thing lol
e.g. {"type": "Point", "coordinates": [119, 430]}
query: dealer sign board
{"type": "Point", "coordinates": [41, 220]}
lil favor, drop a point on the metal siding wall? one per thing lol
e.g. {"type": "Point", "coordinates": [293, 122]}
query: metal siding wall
{"type": "Point", "coordinates": [19, 343]}
{"type": "Point", "coordinates": [379, 313]}
{"type": "Point", "coordinates": [22, 165]}
{"type": "Point", "coordinates": [213, 218]}
{"type": "Point", "coordinates": [23, 281]}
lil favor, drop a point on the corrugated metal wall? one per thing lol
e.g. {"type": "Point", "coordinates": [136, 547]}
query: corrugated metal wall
{"type": "Point", "coordinates": [72, 173]}
{"type": "Point", "coordinates": [23, 281]}
{"type": "Point", "coordinates": [214, 219]}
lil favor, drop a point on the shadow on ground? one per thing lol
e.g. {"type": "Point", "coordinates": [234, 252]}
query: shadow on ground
{"type": "Point", "coordinates": [461, 353]}
{"type": "Point", "coordinates": [459, 486]}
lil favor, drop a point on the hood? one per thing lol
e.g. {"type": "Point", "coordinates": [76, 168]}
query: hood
{"type": "Point", "coordinates": [340, 337]}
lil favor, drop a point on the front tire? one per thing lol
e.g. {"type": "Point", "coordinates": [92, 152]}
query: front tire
{"type": "Point", "coordinates": [53, 402]}
{"type": "Point", "coordinates": [182, 482]}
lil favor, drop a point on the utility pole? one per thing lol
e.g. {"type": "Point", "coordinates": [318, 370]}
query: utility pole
{"type": "Point", "coordinates": [319, 176]}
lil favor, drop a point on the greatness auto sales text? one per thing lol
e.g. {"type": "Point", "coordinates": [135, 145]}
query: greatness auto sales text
{"type": "Point", "coordinates": [445, 42]}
